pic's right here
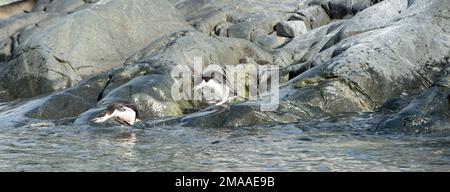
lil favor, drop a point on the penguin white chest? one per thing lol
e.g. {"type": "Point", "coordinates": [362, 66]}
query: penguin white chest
{"type": "Point", "coordinates": [127, 114]}
{"type": "Point", "coordinates": [218, 88]}
{"type": "Point", "coordinates": [214, 91]}
{"type": "Point", "coordinates": [221, 92]}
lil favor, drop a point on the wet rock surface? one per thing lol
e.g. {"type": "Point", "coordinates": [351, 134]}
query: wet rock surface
{"type": "Point", "coordinates": [65, 61]}
{"type": "Point", "coordinates": [58, 54]}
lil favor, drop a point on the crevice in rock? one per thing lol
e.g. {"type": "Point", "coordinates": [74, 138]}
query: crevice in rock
{"type": "Point", "coordinates": [64, 62]}
{"type": "Point", "coordinates": [100, 96]}
{"type": "Point", "coordinates": [295, 70]}
{"type": "Point", "coordinates": [60, 73]}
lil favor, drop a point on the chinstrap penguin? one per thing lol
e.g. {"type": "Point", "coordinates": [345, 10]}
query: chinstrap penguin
{"type": "Point", "coordinates": [219, 84]}
{"type": "Point", "coordinates": [124, 113]}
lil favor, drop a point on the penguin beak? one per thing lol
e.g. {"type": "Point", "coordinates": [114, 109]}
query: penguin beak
{"type": "Point", "coordinates": [96, 120]}
{"type": "Point", "coordinates": [199, 86]}
{"type": "Point", "coordinates": [101, 118]}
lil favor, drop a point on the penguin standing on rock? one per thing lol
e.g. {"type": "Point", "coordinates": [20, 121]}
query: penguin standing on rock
{"type": "Point", "coordinates": [219, 85]}
{"type": "Point", "coordinates": [124, 113]}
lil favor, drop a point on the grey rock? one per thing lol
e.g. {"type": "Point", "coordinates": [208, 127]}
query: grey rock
{"type": "Point", "coordinates": [314, 16]}
{"type": "Point", "coordinates": [408, 60]}
{"type": "Point", "coordinates": [239, 19]}
{"type": "Point", "coordinates": [11, 29]}
{"type": "Point", "coordinates": [339, 9]}
{"type": "Point", "coordinates": [255, 27]}
{"type": "Point", "coordinates": [241, 30]}
{"type": "Point", "coordinates": [222, 29]}
{"type": "Point", "coordinates": [306, 49]}
{"type": "Point", "coordinates": [71, 102]}
{"type": "Point", "coordinates": [427, 113]}
{"type": "Point", "coordinates": [84, 43]}
{"type": "Point", "coordinates": [271, 41]}
{"type": "Point", "coordinates": [59, 107]}
{"type": "Point", "coordinates": [204, 15]}
{"type": "Point", "coordinates": [291, 28]}
{"type": "Point", "coordinates": [212, 117]}
{"type": "Point", "coordinates": [61, 6]}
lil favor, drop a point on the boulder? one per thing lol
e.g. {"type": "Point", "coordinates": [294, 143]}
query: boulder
{"type": "Point", "coordinates": [59, 107]}
{"type": "Point", "coordinates": [426, 113]}
{"type": "Point", "coordinates": [340, 9]}
{"type": "Point", "coordinates": [71, 102]}
{"type": "Point", "coordinates": [291, 28]}
{"type": "Point", "coordinates": [270, 41]}
{"type": "Point", "coordinates": [12, 28]}
{"type": "Point", "coordinates": [313, 16]}
{"type": "Point", "coordinates": [61, 53]}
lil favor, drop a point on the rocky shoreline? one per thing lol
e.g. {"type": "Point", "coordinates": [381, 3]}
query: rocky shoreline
{"type": "Point", "coordinates": [65, 61]}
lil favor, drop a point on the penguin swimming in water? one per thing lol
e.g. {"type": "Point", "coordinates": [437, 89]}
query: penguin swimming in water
{"type": "Point", "coordinates": [219, 84]}
{"type": "Point", "coordinates": [124, 113]}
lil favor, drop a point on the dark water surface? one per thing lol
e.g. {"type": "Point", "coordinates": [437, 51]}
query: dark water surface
{"type": "Point", "coordinates": [325, 145]}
